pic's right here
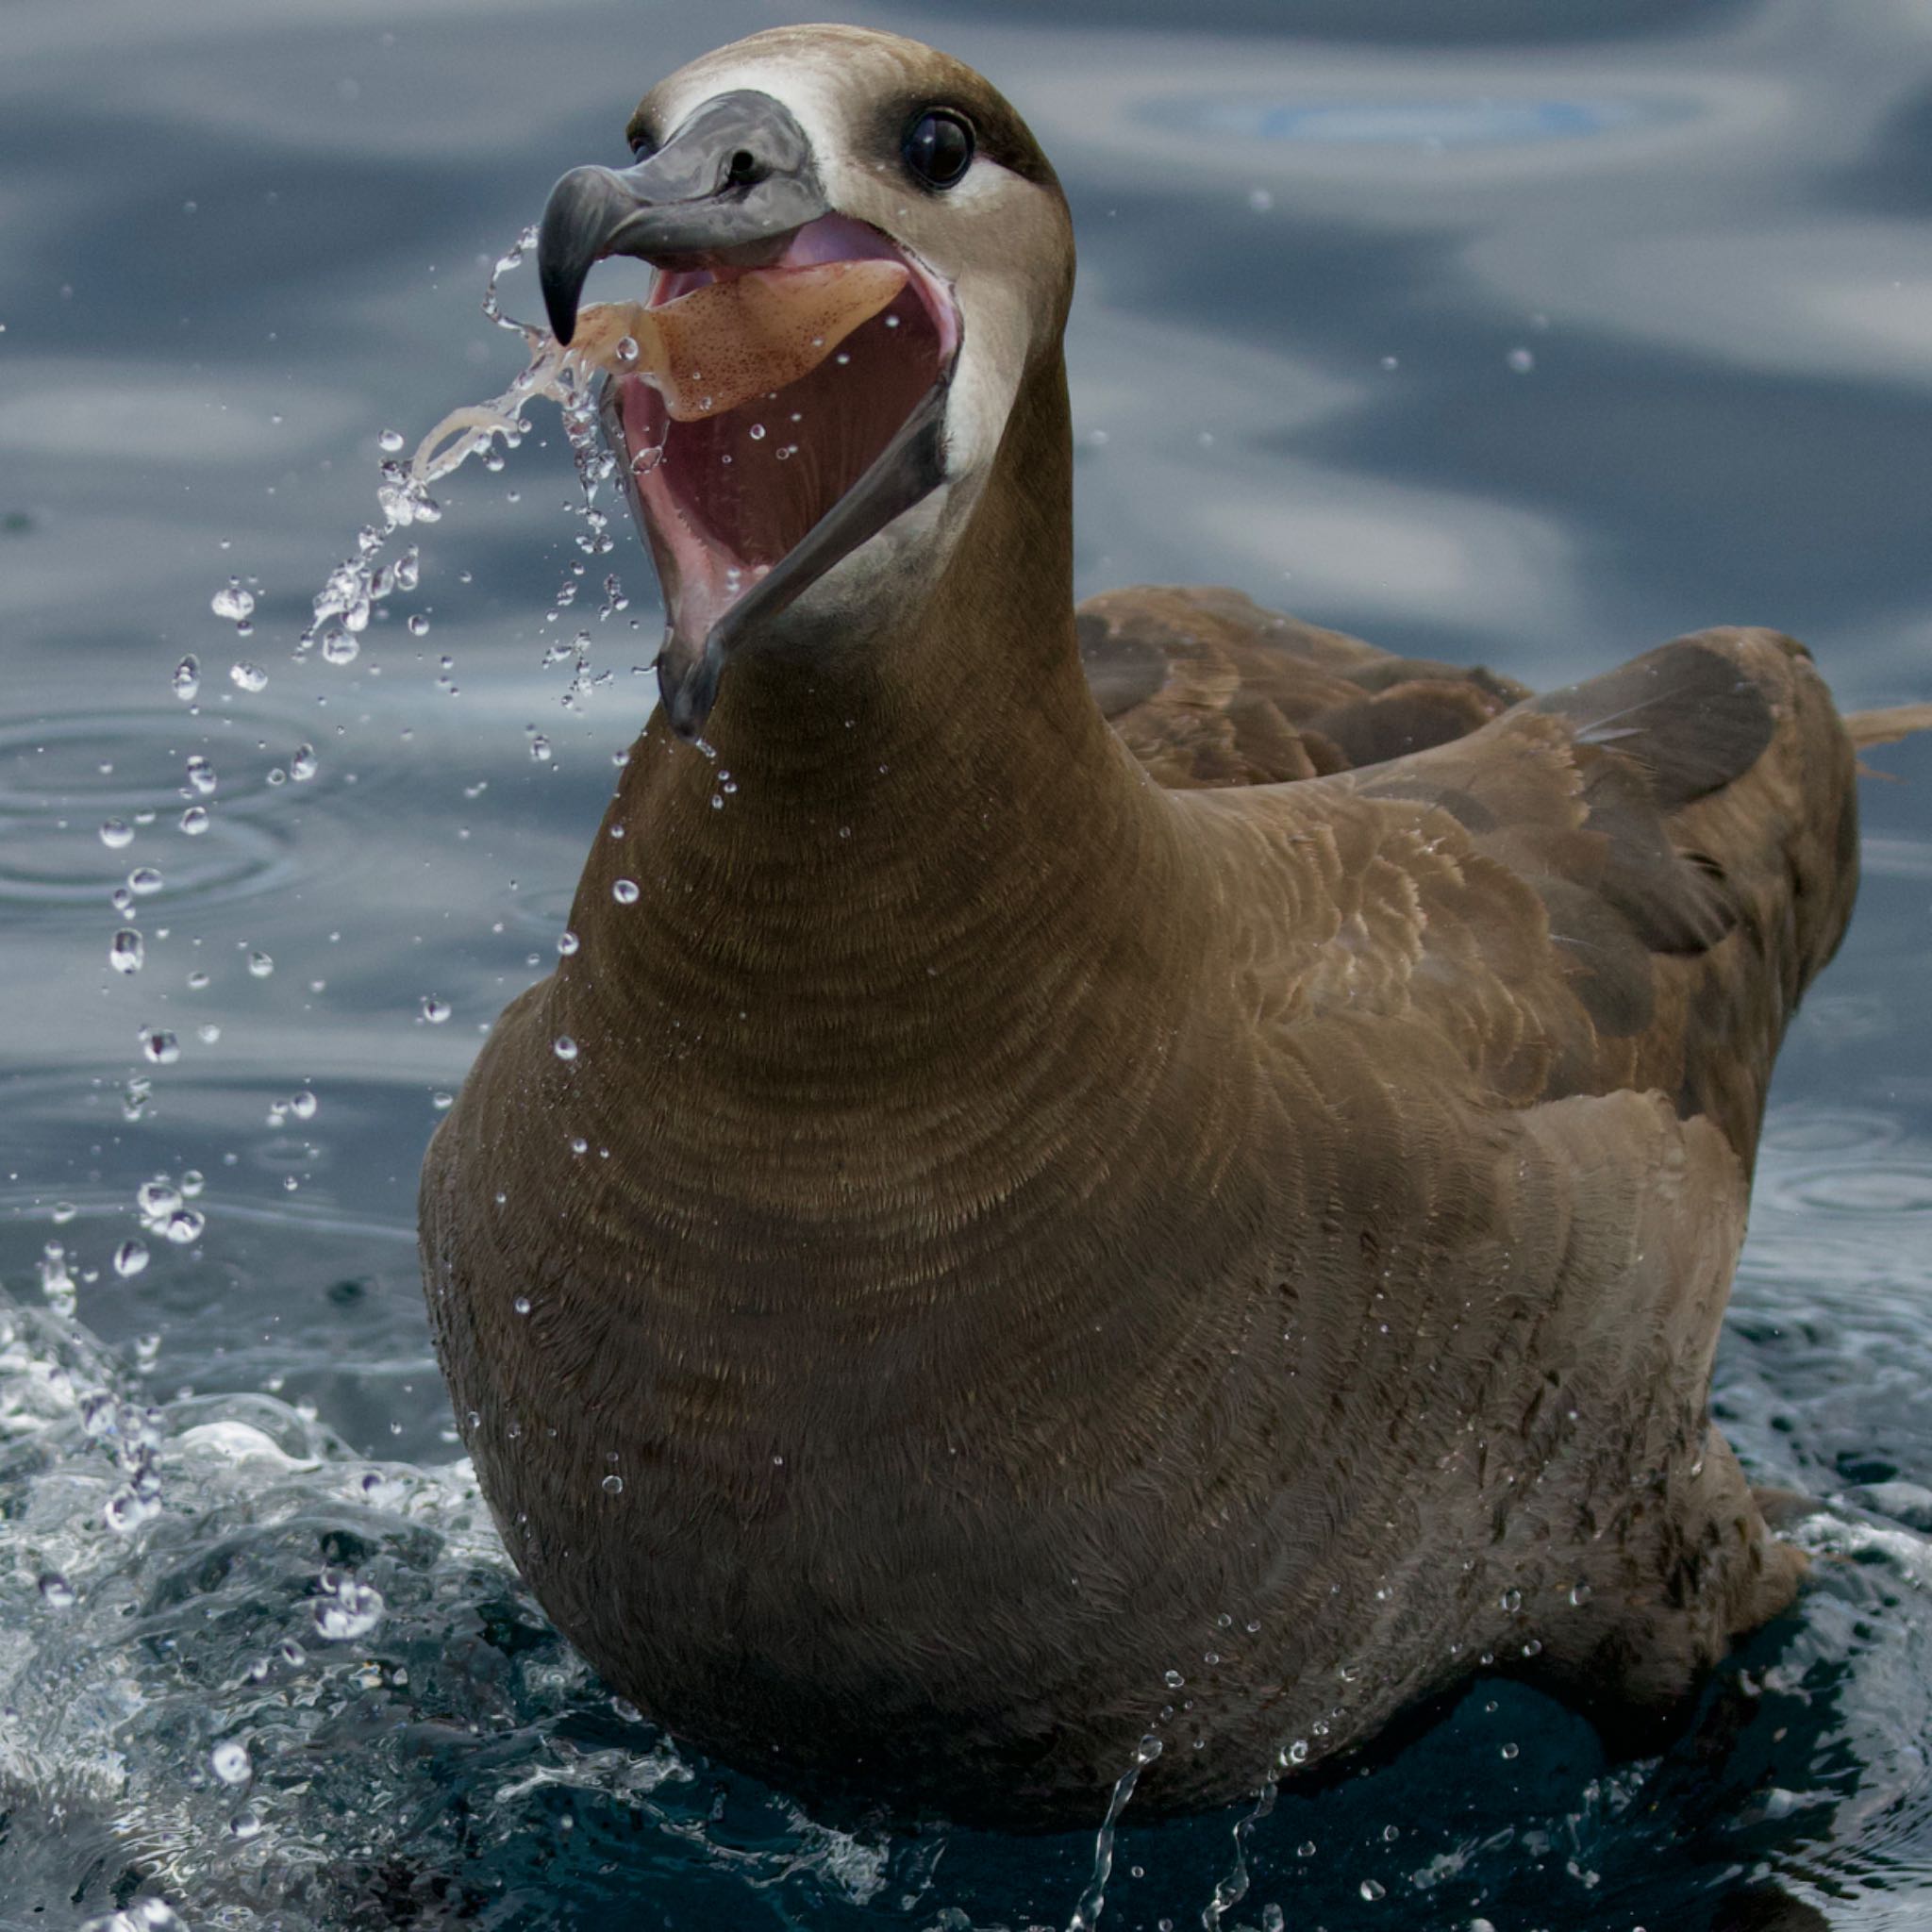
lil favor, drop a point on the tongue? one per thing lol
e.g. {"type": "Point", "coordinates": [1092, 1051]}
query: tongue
{"type": "Point", "coordinates": [728, 341]}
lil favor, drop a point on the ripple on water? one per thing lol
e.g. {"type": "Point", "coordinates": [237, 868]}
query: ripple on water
{"type": "Point", "coordinates": [62, 777]}
{"type": "Point", "coordinates": [1487, 121]}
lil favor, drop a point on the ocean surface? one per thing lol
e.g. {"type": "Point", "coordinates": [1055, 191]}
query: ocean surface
{"type": "Point", "coordinates": [1493, 329]}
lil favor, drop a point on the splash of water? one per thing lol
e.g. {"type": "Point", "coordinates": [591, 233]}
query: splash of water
{"type": "Point", "coordinates": [1087, 1912]}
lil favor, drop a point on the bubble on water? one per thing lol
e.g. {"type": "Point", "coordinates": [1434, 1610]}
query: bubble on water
{"type": "Point", "coordinates": [130, 1257]}
{"type": "Point", "coordinates": [195, 821]}
{"type": "Point", "coordinates": [126, 1510]}
{"type": "Point", "coordinates": [435, 1011]}
{"type": "Point", "coordinates": [126, 951]}
{"type": "Point", "coordinates": [201, 775]}
{"type": "Point", "coordinates": [232, 601]}
{"type": "Point", "coordinates": [160, 1045]}
{"type": "Point", "coordinates": [250, 677]}
{"type": "Point", "coordinates": [55, 1591]}
{"type": "Point", "coordinates": [115, 833]}
{"type": "Point", "coordinates": [624, 891]}
{"type": "Point", "coordinates": [564, 1047]}
{"type": "Point", "coordinates": [187, 680]}
{"type": "Point", "coordinates": [144, 879]}
{"type": "Point", "coordinates": [260, 965]}
{"type": "Point", "coordinates": [347, 1607]}
{"type": "Point", "coordinates": [229, 1762]}
{"type": "Point", "coordinates": [144, 1915]}
{"type": "Point", "coordinates": [1521, 362]}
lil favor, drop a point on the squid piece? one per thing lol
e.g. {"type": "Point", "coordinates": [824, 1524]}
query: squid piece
{"type": "Point", "coordinates": [707, 352]}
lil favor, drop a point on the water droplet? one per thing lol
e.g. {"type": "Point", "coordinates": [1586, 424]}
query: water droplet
{"type": "Point", "coordinates": [522, 1305]}
{"type": "Point", "coordinates": [303, 1105]}
{"type": "Point", "coordinates": [1512, 1601]}
{"type": "Point", "coordinates": [187, 680]}
{"type": "Point", "coordinates": [249, 676]}
{"type": "Point", "coordinates": [567, 942]}
{"type": "Point", "coordinates": [390, 441]}
{"type": "Point", "coordinates": [564, 1047]}
{"type": "Point", "coordinates": [247, 1822]}
{"type": "Point", "coordinates": [116, 833]}
{"type": "Point", "coordinates": [419, 626]}
{"type": "Point", "coordinates": [613, 1486]}
{"type": "Point", "coordinates": [160, 1045]}
{"type": "Point", "coordinates": [229, 1762]}
{"type": "Point", "coordinates": [184, 1225]}
{"type": "Point", "coordinates": [338, 646]}
{"type": "Point", "coordinates": [126, 950]}
{"type": "Point", "coordinates": [231, 601]}
{"type": "Point", "coordinates": [1372, 1889]}
{"type": "Point", "coordinates": [347, 1607]}
{"type": "Point", "coordinates": [56, 1591]}
{"type": "Point", "coordinates": [757, 432]}
{"type": "Point", "coordinates": [144, 879]}
{"type": "Point", "coordinates": [624, 891]}
{"type": "Point", "coordinates": [1509, 1750]}
{"type": "Point", "coordinates": [540, 748]}
{"type": "Point", "coordinates": [1580, 1594]}
{"type": "Point", "coordinates": [435, 1011]}
{"type": "Point", "coordinates": [201, 775]}
{"type": "Point", "coordinates": [1261, 200]}
{"type": "Point", "coordinates": [1521, 362]}
{"type": "Point", "coordinates": [157, 1198]}
{"type": "Point", "coordinates": [302, 767]}
{"type": "Point", "coordinates": [130, 1257]}
{"type": "Point", "coordinates": [194, 821]}
{"type": "Point", "coordinates": [260, 965]}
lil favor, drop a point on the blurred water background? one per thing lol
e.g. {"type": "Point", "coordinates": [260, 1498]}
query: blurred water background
{"type": "Point", "coordinates": [1495, 330]}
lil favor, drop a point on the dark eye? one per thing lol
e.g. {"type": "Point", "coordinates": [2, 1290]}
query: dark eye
{"type": "Point", "coordinates": [938, 148]}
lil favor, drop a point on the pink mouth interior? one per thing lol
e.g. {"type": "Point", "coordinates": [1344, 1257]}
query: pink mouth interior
{"type": "Point", "coordinates": [727, 496]}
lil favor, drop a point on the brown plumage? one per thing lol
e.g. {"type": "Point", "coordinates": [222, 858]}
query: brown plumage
{"type": "Point", "coordinates": [1205, 1213]}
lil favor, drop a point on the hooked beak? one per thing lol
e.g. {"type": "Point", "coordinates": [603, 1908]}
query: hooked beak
{"type": "Point", "coordinates": [729, 187]}
{"type": "Point", "coordinates": [730, 194]}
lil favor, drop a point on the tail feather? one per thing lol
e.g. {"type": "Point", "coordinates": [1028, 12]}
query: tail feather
{"type": "Point", "coordinates": [1867, 728]}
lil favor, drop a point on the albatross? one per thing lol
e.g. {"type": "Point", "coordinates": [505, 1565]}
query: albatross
{"type": "Point", "coordinates": [1141, 1185]}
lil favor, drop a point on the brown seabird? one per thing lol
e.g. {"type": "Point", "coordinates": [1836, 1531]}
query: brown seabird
{"type": "Point", "coordinates": [1153, 1171]}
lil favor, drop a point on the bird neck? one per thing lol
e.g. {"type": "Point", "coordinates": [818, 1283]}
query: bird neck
{"type": "Point", "coordinates": [937, 803]}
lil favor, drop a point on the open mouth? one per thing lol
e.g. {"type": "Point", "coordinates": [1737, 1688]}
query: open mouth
{"type": "Point", "coordinates": [726, 495]}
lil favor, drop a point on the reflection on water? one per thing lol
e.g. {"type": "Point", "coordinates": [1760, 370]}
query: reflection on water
{"type": "Point", "coordinates": [1501, 336]}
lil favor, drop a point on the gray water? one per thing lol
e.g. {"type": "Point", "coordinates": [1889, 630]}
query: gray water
{"type": "Point", "coordinates": [1500, 330]}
